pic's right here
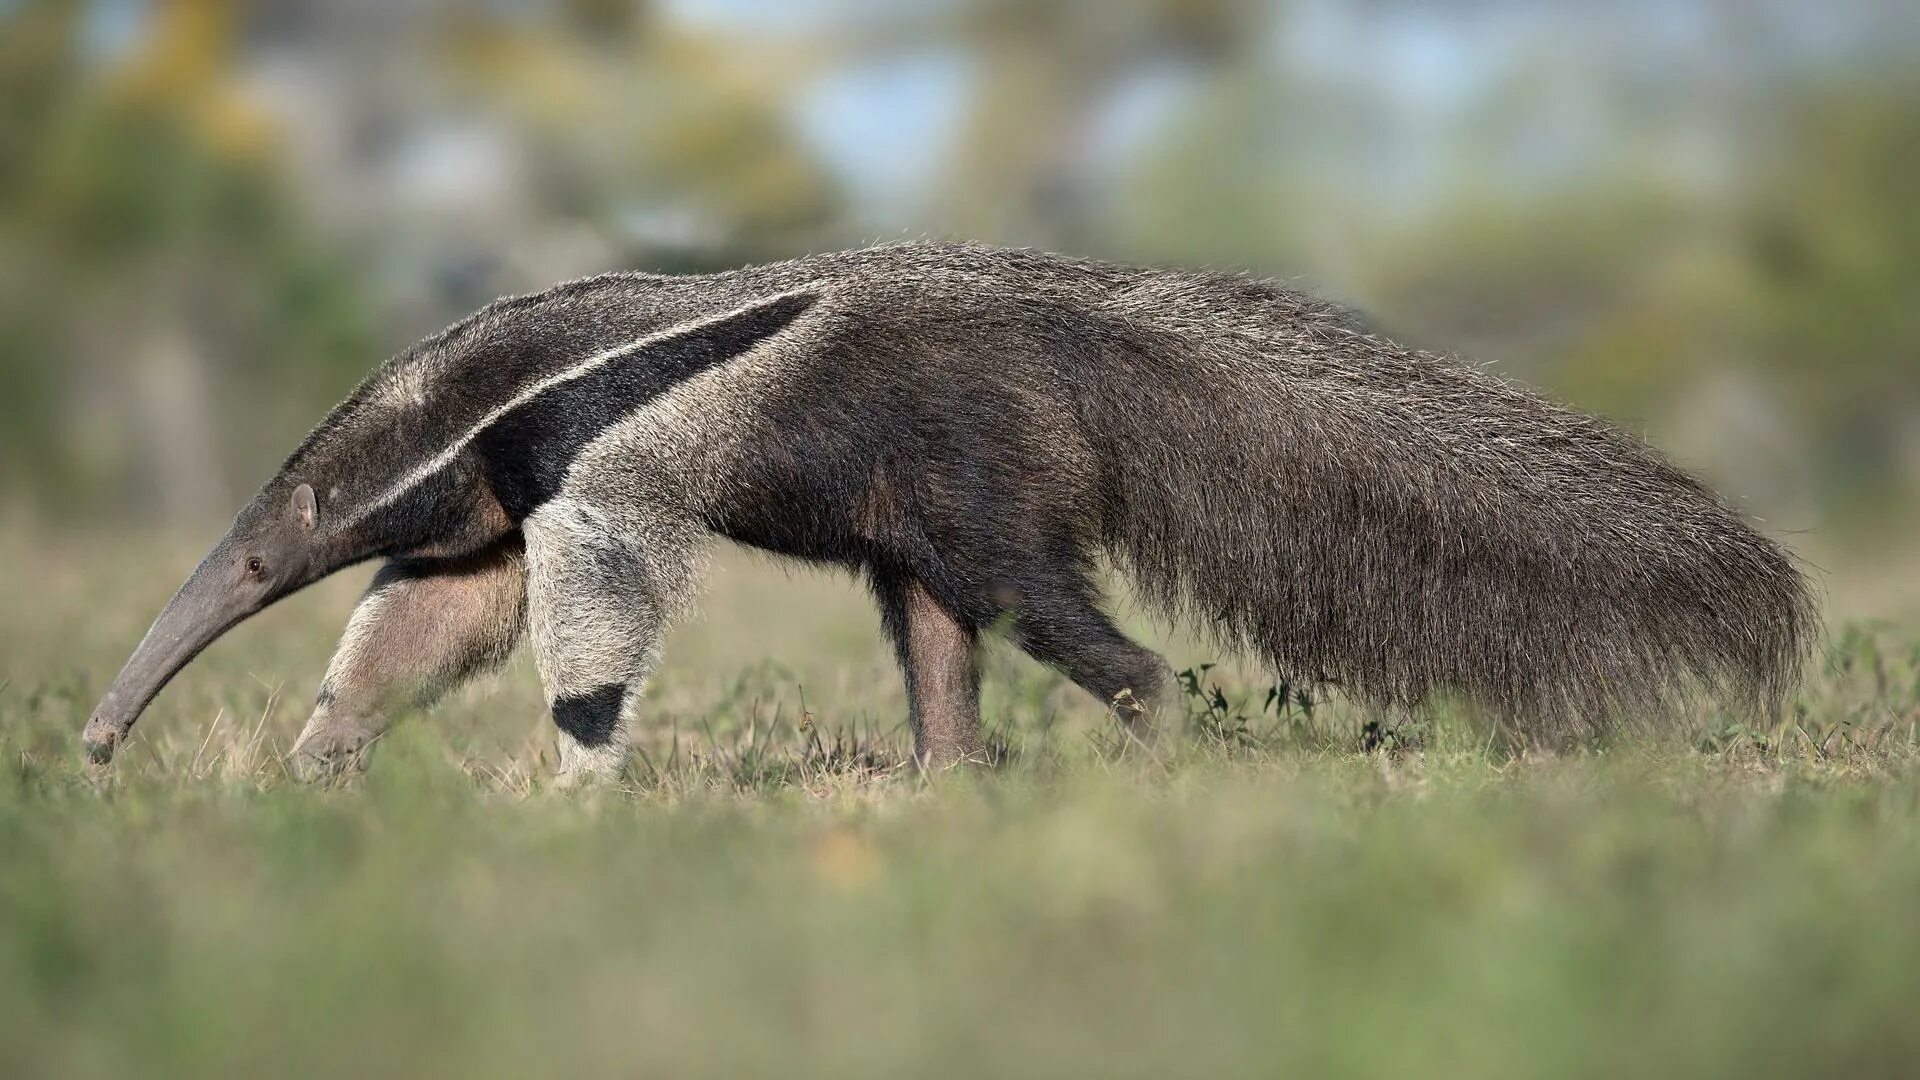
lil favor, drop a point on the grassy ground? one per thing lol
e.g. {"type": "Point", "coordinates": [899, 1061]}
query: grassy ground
{"type": "Point", "coordinates": [773, 891]}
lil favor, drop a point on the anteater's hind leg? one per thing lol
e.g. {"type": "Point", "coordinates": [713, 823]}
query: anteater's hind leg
{"type": "Point", "coordinates": [1060, 623]}
{"type": "Point", "coordinates": [423, 627]}
{"type": "Point", "coordinates": [936, 650]}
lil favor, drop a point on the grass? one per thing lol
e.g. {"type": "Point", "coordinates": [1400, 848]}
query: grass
{"type": "Point", "coordinates": [773, 890]}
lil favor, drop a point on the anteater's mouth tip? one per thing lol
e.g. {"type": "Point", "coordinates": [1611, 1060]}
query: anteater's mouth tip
{"type": "Point", "coordinates": [100, 739]}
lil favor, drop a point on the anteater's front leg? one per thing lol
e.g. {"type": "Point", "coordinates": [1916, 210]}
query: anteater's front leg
{"type": "Point", "coordinates": [423, 627]}
{"type": "Point", "coordinates": [598, 598]}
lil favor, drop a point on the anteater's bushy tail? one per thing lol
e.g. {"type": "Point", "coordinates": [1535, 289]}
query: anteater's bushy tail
{"type": "Point", "coordinates": [1400, 525]}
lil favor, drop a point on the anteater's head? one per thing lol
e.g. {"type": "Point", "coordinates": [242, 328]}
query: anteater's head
{"type": "Point", "coordinates": [269, 552]}
{"type": "Point", "coordinates": [367, 484]}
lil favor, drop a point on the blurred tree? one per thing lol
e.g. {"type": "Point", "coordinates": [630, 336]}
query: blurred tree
{"type": "Point", "coordinates": [1025, 168]}
{"type": "Point", "coordinates": [35, 64]}
{"type": "Point", "coordinates": [150, 237]}
{"type": "Point", "coordinates": [1226, 186]}
{"type": "Point", "coordinates": [1830, 246]}
{"type": "Point", "coordinates": [674, 144]}
{"type": "Point", "coordinates": [1783, 301]}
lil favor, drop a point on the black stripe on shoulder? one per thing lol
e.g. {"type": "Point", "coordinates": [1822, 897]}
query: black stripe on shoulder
{"type": "Point", "coordinates": [526, 453]}
{"type": "Point", "coordinates": [592, 717]}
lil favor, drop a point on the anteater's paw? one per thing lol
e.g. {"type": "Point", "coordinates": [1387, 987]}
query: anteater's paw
{"type": "Point", "coordinates": [568, 781]}
{"type": "Point", "coordinates": [1137, 716]}
{"type": "Point", "coordinates": [572, 781]}
{"type": "Point", "coordinates": [318, 760]}
{"type": "Point", "coordinates": [583, 767]}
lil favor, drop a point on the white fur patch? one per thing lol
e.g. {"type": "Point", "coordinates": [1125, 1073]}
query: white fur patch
{"type": "Point", "coordinates": [406, 388]}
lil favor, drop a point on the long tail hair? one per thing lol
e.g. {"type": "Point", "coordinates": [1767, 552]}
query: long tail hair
{"type": "Point", "coordinates": [1401, 524]}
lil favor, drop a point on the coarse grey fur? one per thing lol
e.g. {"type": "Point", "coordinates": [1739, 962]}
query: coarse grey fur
{"type": "Point", "coordinates": [970, 429]}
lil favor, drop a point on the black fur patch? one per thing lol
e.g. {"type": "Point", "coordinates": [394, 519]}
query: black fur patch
{"type": "Point", "coordinates": [591, 717]}
{"type": "Point", "coordinates": [526, 453]}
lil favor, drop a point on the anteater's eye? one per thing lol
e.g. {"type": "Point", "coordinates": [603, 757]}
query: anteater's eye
{"type": "Point", "coordinates": [254, 566]}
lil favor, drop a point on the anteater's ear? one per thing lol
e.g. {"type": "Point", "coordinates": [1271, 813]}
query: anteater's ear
{"type": "Point", "coordinates": [303, 506]}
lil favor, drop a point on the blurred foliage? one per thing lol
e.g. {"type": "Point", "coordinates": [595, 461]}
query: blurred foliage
{"type": "Point", "coordinates": [143, 200]}
{"type": "Point", "coordinates": [214, 216]}
{"type": "Point", "coordinates": [1805, 284]}
{"type": "Point", "coordinates": [705, 149]}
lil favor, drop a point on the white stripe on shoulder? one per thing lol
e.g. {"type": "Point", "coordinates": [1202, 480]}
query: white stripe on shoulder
{"type": "Point", "coordinates": [418, 474]}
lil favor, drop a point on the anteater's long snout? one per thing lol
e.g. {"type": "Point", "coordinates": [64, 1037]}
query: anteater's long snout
{"type": "Point", "coordinates": [198, 614]}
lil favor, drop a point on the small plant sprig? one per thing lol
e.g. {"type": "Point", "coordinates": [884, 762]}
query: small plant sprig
{"type": "Point", "coordinates": [1223, 722]}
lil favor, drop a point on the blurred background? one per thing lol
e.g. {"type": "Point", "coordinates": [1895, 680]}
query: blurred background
{"type": "Point", "coordinates": [1695, 216]}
